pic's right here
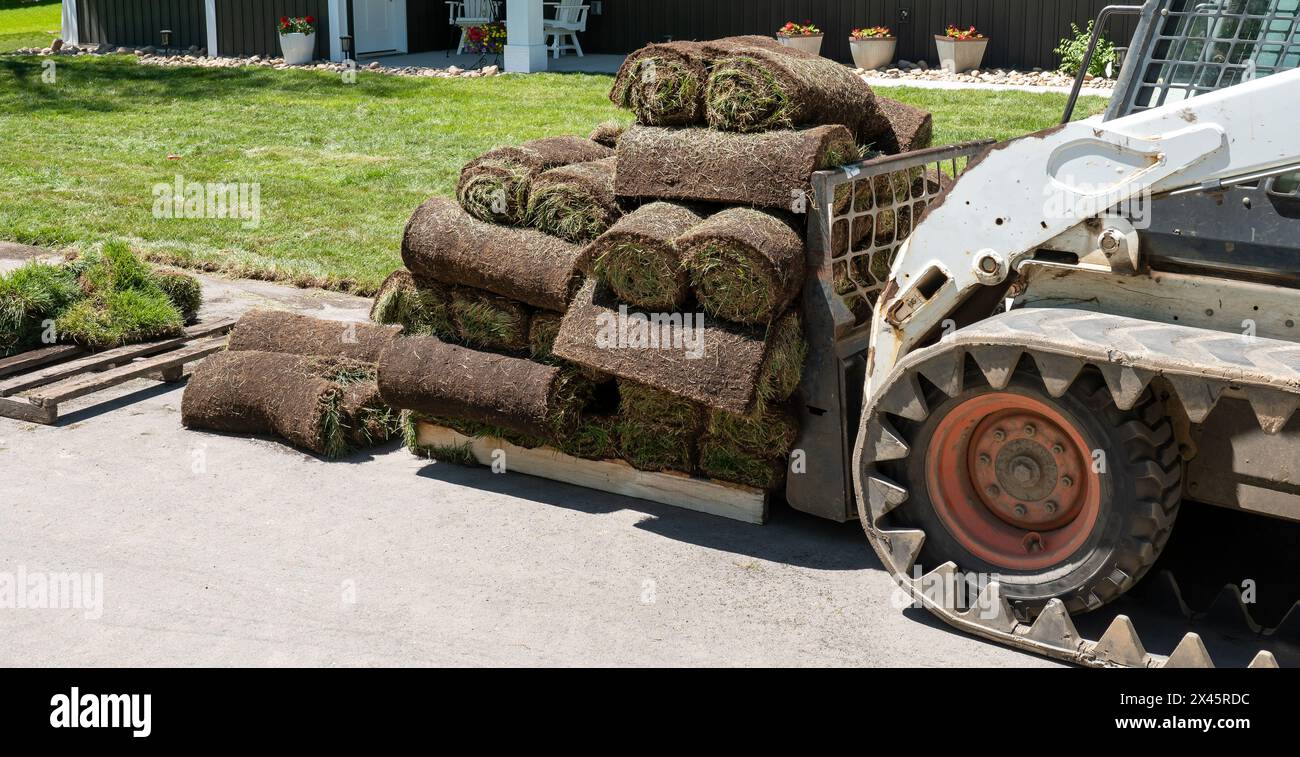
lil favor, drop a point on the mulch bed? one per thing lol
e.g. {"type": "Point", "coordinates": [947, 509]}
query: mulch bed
{"type": "Point", "coordinates": [745, 265]}
{"type": "Point", "coordinates": [771, 169]}
{"type": "Point", "coordinates": [639, 258]}
{"type": "Point", "coordinates": [444, 243]}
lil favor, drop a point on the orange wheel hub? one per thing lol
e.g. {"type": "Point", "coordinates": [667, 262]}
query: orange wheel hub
{"type": "Point", "coordinates": [1011, 477]}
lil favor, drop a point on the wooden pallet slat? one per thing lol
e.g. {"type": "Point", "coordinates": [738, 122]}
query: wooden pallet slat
{"type": "Point", "coordinates": [615, 476]}
{"type": "Point", "coordinates": [61, 373]}
{"type": "Point", "coordinates": [115, 356]}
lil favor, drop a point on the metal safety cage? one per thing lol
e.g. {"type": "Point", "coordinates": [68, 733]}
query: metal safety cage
{"type": "Point", "coordinates": [1185, 48]}
{"type": "Point", "coordinates": [860, 215]}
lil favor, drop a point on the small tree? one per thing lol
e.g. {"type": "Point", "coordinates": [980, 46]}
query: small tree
{"type": "Point", "coordinates": [1073, 48]}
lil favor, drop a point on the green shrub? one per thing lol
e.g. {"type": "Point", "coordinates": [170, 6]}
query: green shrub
{"type": "Point", "coordinates": [1073, 48]}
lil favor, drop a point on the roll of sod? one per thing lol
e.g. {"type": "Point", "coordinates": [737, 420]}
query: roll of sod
{"type": "Point", "coordinates": [594, 438]}
{"type": "Point", "coordinates": [663, 83]}
{"type": "Point", "coordinates": [607, 134]}
{"type": "Point", "coordinates": [363, 417]}
{"type": "Point", "coordinates": [638, 257]}
{"type": "Point", "coordinates": [542, 329]}
{"type": "Point", "coordinates": [771, 169]}
{"type": "Point", "coordinates": [279, 331]}
{"type": "Point", "coordinates": [748, 449]}
{"type": "Point", "coordinates": [716, 364]}
{"type": "Point", "coordinates": [433, 377]}
{"type": "Point", "coordinates": [255, 392]}
{"type": "Point", "coordinates": [443, 243]}
{"type": "Point", "coordinates": [576, 202]}
{"type": "Point", "coordinates": [494, 186]}
{"type": "Point", "coordinates": [487, 321]}
{"type": "Point", "coordinates": [418, 307]}
{"type": "Point", "coordinates": [782, 368]}
{"type": "Point", "coordinates": [909, 128]}
{"type": "Point", "coordinates": [759, 89]}
{"type": "Point", "coordinates": [745, 265]}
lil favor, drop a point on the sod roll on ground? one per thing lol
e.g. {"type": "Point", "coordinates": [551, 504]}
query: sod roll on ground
{"type": "Point", "coordinates": [443, 243]}
{"type": "Point", "coordinates": [770, 169]}
{"type": "Point", "coordinates": [298, 398]}
{"type": "Point", "coordinates": [639, 259]}
{"type": "Point", "coordinates": [745, 265]}
{"type": "Point", "coordinates": [575, 202]}
{"type": "Point", "coordinates": [430, 376]}
{"type": "Point", "coordinates": [494, 186]}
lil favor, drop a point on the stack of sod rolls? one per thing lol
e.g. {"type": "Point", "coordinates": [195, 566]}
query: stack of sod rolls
{"type": "Point", "coordinates": [311, 382]}
{"type": "Point", "coordinates": [727, 136]}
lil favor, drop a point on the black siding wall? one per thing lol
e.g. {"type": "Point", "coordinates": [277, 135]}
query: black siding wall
{"type": "Point", "coordinates": [137, 22]}
{"type": "Point", "coordinates": [247, 27]}
{"type": "Point", "coordinates": [1023, 32]}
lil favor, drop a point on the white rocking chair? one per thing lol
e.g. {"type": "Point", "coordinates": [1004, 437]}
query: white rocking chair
{"type": "Point", "coordinates": [470, 13]}
{"type": "Point", "coordinates": [570, 19]}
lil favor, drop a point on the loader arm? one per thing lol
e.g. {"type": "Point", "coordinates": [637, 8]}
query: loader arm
{"type": "Point", "coordinates": [1023, 193]}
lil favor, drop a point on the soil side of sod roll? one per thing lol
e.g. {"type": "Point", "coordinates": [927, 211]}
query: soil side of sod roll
{"type": "Point", "coordinates": [255, 392]}
{"type": "Point", "coordinates": [745, 265]}
{"type": "Point", "coordinates": [279, 331]}
{"type": "Point", "coordinates": [909, 128]}
{"type": "Point", "coordinates": [577, 202]}
{"type": "Point", "coordinates": [639, 258]}
{"type": "Point", "coordinates": [771, 169]}
{"type": "Point", "coordinates": [717, 365]}
{"type": "Point", "coordinates": [443, 243]}
{"type": "Point", "coordinates": [494, 186]}
{"type": "Point", "coordinates": [760, 89]}
{"type": "Point", "coordinates": [430, 376]}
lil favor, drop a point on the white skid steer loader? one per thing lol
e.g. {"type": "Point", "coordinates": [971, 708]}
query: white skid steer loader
{"type": "Point", "coordinates": [1028, 372]}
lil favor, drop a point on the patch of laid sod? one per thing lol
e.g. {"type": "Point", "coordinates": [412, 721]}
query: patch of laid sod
{"type": "Point", "coordinates": [123, 302]}
{"type": "Point", "coordinates": [29, 295]}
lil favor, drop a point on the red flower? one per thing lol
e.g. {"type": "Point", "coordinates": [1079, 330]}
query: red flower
{"type": "Point", "coordinates": [312, 20]}
{"type": "Point", "coordinates": [284, 19]}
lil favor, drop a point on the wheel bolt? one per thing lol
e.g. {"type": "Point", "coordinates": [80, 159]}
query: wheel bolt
{"type": "Point", "coordinates": [1067, 482]}
{"type": "Point", "coordinates": [985, 459]}
{"type": "Point", "coordinates": [993, 491]}
{"type": "Point", "coordinates": [999, 435]}
{"type": "Point", "coordinates": [1050, 507]}
{"type": "Point", "coordinates": [1021, 511]}
{"type": "Point", "coordinates": [1030, 430]}
{"type": "Point", "coordinates": [1058, 449]}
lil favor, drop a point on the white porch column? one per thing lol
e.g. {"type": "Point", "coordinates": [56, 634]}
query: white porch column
{"type": "Point", "coordinates": [210, 24]}
{"type": "Point", "coordinates": [525, 46]}
{"type": "Point", "coordinates": [71, 32]}
{"type": "Point", "coordinates": [338, 28]}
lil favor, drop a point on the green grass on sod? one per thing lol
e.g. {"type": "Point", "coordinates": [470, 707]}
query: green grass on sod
{"type": "Point", "coordinates": [24, 23]}
{"type": "Point", "coordinates": [340, 167]}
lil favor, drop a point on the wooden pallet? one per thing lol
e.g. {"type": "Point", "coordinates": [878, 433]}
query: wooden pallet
{"type": "Point", "coordinates": [34, 383]}
{"type": "Point", "coordinates": [614, 476]}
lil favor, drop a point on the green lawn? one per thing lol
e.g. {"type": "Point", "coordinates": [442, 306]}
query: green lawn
{"type": "Point", "coordinates": [340, 167]}
{"type": "Point", "coordinates": [28, 23]}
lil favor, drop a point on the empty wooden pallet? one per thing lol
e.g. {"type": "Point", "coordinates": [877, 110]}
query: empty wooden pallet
{"type": "Point", "coordinates": [34, 383]}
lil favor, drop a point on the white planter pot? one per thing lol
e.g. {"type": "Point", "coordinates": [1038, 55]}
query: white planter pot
{"type": "Point", "coordinates": [959, 55]}
{"type": "Point", "coordinates": [298, 49]}
{"type": "Point", "coordinates": [807, 44]}
{"type": "Point", "coordinates": [873, 54]}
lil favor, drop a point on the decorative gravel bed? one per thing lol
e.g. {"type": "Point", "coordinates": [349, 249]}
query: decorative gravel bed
{"type": "Point", "coordinates": [922, 71]}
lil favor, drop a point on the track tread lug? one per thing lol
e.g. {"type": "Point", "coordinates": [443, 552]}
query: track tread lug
{"type": "Point", "coordinates": [883, 495]}
{"type": "Point", "coordinates": [946, 371]}
{"type": "Point", "coordinates": [1273, 408]}
{"type": "Point", "coordinates": [904, 546]}
{"type": "Point", "coordinates": [1054, 627]}
{"type": "Point", "coordinates": [1057, 371]}
{"type": "Point", "coordinates": [1199, 396]}
{"type": "Point", "coordinates": [1190, 653]}
{"type": "Point", "coordinates": [992, 610]}
{"type": "Point", "coordinates": [885, 443]}
{"type": "Point", "coordinates": [1120, 644]}
{"type": "Point", "coordinates": [905, 399]}
{"type": "Point", "coordinates": [1264, 659]}
{"type": "Point", "coordinates": [1126, 383]}
{"type": "Point", "coordinates": [997, 363]}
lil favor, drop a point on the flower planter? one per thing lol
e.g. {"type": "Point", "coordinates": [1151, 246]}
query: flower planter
{"type": "Point", "coordinates": [873, 53]}
{"type": "Point", "coordinates": [959, 55]}
{"type": "Point", "coordinates": [298, 49]}
{"type": "Point", "coordinates": [809, 44]}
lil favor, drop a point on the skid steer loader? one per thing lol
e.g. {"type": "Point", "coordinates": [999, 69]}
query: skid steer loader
{"type": "Point", "coordinates": [1029, 357]}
